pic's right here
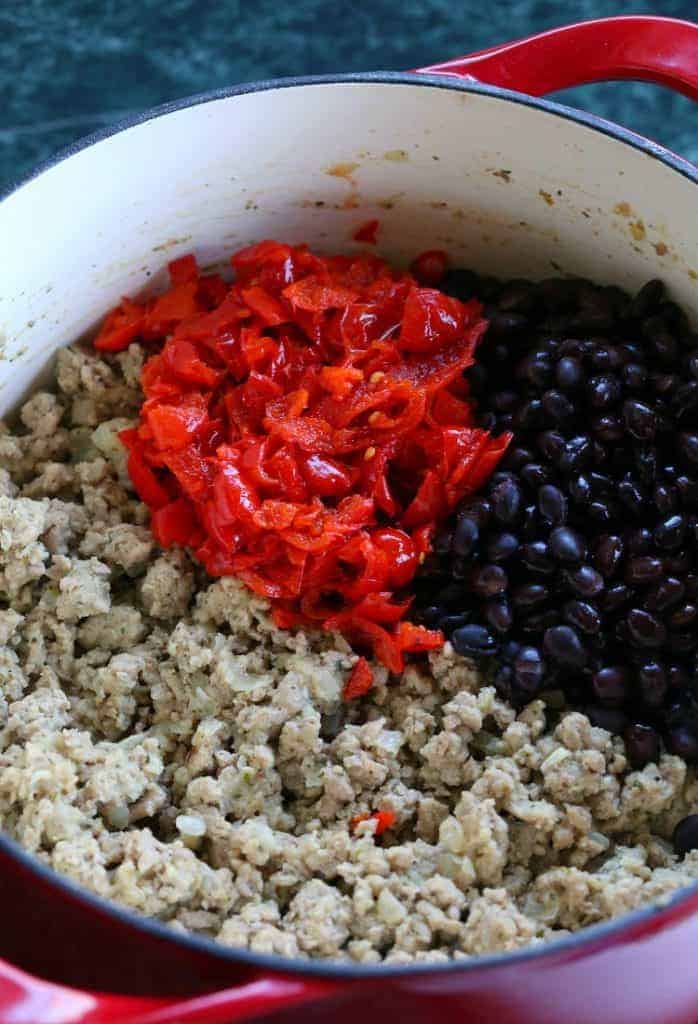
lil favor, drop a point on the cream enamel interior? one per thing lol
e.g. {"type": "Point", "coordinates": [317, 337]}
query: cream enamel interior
{"type": "Point", "coordinates": [506, 188]}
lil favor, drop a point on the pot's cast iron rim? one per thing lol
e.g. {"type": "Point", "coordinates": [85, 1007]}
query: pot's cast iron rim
{"type": "Point", "coordinates": [599, 936]}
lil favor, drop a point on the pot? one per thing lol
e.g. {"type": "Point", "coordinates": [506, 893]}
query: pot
{"type": "Point", "coordinates": [448, 157]}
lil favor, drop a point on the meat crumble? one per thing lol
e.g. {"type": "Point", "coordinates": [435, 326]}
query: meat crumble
{"type": "Point", "coordinates": [165, 745]}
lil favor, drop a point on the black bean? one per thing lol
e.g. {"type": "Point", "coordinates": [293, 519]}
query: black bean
{"type": "Point", "coordinates": [569, 373]}
{"type": "Point", "coordinates": [516, 458]}
{"type": "Point", "coordinates": [682, 740]}
{"type": "Point", "coordinates": [576, 454]}
{"type": "Point", "coordinates": [529, 669]}
{"type": "Point", "coordinates": [585, 580]}
{"type": "Point", "coordinates": [607, 427]}
{"type": "Point", "coordinates": [536, 369]}
{"type": "Point", "coordinates": [634, 376]}
{"type": "Point", "coordinates": [461, 283]}
{"type": "Point", "coordinates": [641, 744]}
{"type": "Point", "coordinates": [537, 622]}
{"type": "Point", "coordinates": [666, 594]}
{"type": "Point", "coordinates": [611, 719]}
{"type": "Point", "coordinates": [685, 836]}
{"type": "Point", "coordinates": [517, 295]}
{"type": "Point", "coordinates": [682, 643]}
{"type": "Point", "coordinates": [688, 446]}
{"type": "Point", "coordinates": [665, 498]}
{"type": "Point", "coordinates": [677, 677]}
{"type": "Point", "coordinates": [563, 645]}
{"type": "Point", "coordinates": [507, 323]}
{"type": "Point", "coordinates": [431, 615]}
{"type": "Point", "coordinates": [663, 384]}
{"type": "Point", "coordinates": [478, 509]}
{"type": "Point", "coordinates": [647, 299]}
{"type": "Point", "coordinates": [604, 513]}
{"type": "Point", "coordinates": [670, 533]}
{"type": "Point", "coordinates": [678, 562]}
{"type": "Point", "coordinates": [465, 536]}
{"type": "Point", "coordinates": [688, 491]}
{"type": "Point", "coordinates": [685, 616]}
{"type": "Point", "coordinates": [692, 364]}
{"type": "Point", "coordinates": [502, 680]}
{"type": "Point", "coordinates": [526, 595]}
{"type": "Point", "coordinates": [580, 489]}
{"type": "Point", "coordinates": [685, 399]}
{"type": "Point", "coordinates": [608, 555]}
{"type": "Point", "coordinates": [504, 401]}
{"type": "Point", "coordinates": [502, 546]}
{"type": "Point", "coordinates": [536, 556]}
{"type": "Point", "coordinates": [644, 629]}
{"type": "Point", "coordinates": [551, 444]}
{"type": "Point", "coordinates": [610, 684]}
{"type": "Point", "coordinates": [473, 640]}
{"type": "Point", "coordinates": [653, 683]}
{"type": "Point", "coordinates": [498, 614]}
{"type": "Point", "coordinates": [643, 569]}
{"type": "Point", "coordinates": [506, 501]}
{"type": "Point", "coordinates": [567, 545]}
{"type": "Point", "coordinates": [615, 597]}
{"type": "Point", "coordinates": [552, 504]}
{"type": "Point", "coordinates": [447, 623]}
{"type": "Point", "coordinates": [638, 541]}
{"type": "Point", "coordinates": [582, 616]}
{"type": "Point", "coordinates": [640, 420]}
{"type": "Point", "coordinates": [557, 407]}
{"type": "Point", "coordinates": [603, 391]}
{"type": "Point", "coordinates": [488, 580]}
{"type": "Point", "coordinates": [534, 474]}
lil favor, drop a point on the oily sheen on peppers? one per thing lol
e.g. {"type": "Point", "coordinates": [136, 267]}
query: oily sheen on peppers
{"type": "Point", "coordinates": [304, 429]}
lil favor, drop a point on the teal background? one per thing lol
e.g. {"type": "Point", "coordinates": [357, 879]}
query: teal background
{"type": "Point", "coordinates": [68, 67]}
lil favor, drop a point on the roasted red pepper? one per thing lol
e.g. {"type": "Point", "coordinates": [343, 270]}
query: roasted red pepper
{"type": "Point", "coordinates": [306, 428]}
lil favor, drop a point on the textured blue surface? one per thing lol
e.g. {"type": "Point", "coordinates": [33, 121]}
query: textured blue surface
{"type": "Point", "coordinates": [68, 67]}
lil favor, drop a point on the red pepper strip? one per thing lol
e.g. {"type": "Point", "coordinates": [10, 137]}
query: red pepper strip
{"type": "Point", "coordinates": [148, 488]}
{"type": "Point", "coordinates": [359, 682]}
{"type": "Point", "coordinates": [174, 523]}
{"type": "Point", "coordinates": [430, 267]}
{"type": "Point", "coordinates": [121, 327]}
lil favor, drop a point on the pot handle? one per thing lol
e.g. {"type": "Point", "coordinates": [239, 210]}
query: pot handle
{"type": "Point", "coordinates": [26, 1000]}
{"type": "Point", "coordinates": [648, 49]}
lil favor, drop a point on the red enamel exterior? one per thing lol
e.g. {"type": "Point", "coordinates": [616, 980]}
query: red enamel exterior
{"type": "Point", "coordinates": [639, 973]}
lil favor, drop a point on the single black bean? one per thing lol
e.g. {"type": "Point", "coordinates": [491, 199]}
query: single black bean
{"type": "Point", "coordinates": [634, 376]}
{"type": "Point", "coordinates": [665, 595]}
{"type": "Point", "coordinates": [576, 454]}
{"type": "Point", "coordinates": [685, 399]}
{"type": "Point", "coordinates": [678, 562]}
{"type": "Point", "coordinates": [552, 504]}
{"type": "Point", "coordinates": [506, 501]}
{"type": "Point", "coordinates": [653, 683]}
{"type": "Point", "coordinates": [615, 597]}
{"type": "Point", "coordinates": [641, 744]}
{"type": "Point", "coordinates": [603, 513]}
{"type": "Point", "coordinates": [580, 489]}
{"type": "Point", "coordinates": [608, 555]}
{"type": "Point", "coordinates": [677, 677]}
{"type": "Point", "coordinates": [478, 509]}
{"type": "Point", "coordinates": [527, 595]}
{"type": "Point", "coordinates": [685, 837]}
{"type": "Point", "coordinates": [488, 580]}
{"type": "Point", "coordinates": [639, 540]}
{"type": "Point", "coordinates": [647, 299]}
{"type": "Point", "coordinates": [666, 498]}
{"type": "Point", "coordinates": [431, 615]}
{"type": "Point", "coordinates": [529, 669]}
{"type": "Point", "coordinates": [502, 546]}
{"type": "Point", "coordinates": [533, 474]}
{"type": "Point", "coordinates": [611, 719]}
{"type": "Point", "coordinates": [563, 645]}
{"type": "Point", "coordinates": [688, 490]}
{"type": "Point", "coordinates": [537, 622]}
{"type": "Point", "coordinates": [506, 323]}
{"type": "Point", "coordinates": [447, 623]}
{"type": "Point", "coordinates": [682, 643]}
{"type": "Point", "coordinates": [640, 419]}
{"type": "Point", "coordinates": [682, 740]}
{"type": "Point", "coordinates": [670, 533]}
{"type": "Point", "coordinates": [502, 680]}
{"type": "Point", "coordinates": [536, 556]}
{"type": "Point", "coordinates": [684, 617]}
{"type": "Point", "coordinates": [567, 545]}
{"type": "Point", "coordinates": [465, 536]}
{"type": "Point", "coordinates": [582, 616]}
{"type": "Point", "coordinates": [556, 406]}
{"type": "Point", "coordinates": [644, 629]}
{"type": "Point", "coordinates": [688, 446]}
{"type": "Point", "coordinates": [516, 458]}
{"type": "Point", "coordinates": [498, 614]}
{"type": "Point", "coordinates": [551, 444]}
{"type": "Point", "coordinates": [585, 580]}
{"type": "Point", "coordinates": [473, 640]}
{"type": "Point", "coordinates": [607, 427]}
{"type": "Point", "coordinates": [603, 391]}
{"type": "Point", "coordinates": [610, 684]}
{"type": "Point", "coordinates": [505, 401]}
{"type": "Point", "coordinates": [569, 373]}
{"type": "Point", "coordinates": [643, 569]}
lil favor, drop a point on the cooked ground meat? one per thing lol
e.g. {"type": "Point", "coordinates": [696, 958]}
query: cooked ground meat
{"type": "Point", "coordinates": [166, 746]}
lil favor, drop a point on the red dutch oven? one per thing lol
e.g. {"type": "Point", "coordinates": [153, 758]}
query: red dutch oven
{"type": "Point", "coordinates": [457, 156]}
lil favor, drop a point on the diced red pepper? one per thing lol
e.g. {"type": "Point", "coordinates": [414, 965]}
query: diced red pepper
{"type": "Point", "coordinates": [306, 428]}
{"type": "Point", "coordinates": [359, 682]}
{"type": "Point", "coordinates": [383, 819]}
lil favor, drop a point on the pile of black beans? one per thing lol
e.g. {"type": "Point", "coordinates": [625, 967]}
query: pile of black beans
{"type": "Point", "coordinates": [576, 569]}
